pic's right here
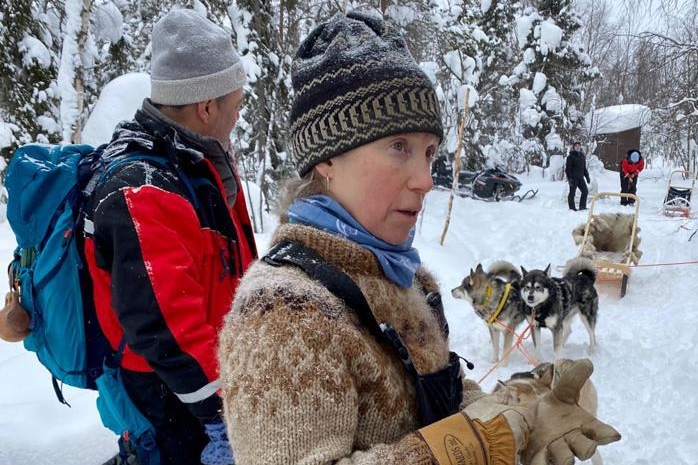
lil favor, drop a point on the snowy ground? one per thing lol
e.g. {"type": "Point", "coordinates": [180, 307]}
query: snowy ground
{"type": "Point", "coordinates": [645, 373]}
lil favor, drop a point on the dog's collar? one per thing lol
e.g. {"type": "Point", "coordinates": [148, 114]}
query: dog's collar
{"type": "Point", "coordinates": [500, 306]}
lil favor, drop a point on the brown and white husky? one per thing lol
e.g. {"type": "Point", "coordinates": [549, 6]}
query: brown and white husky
{"type": "Point", "coordinates": [495, 297]}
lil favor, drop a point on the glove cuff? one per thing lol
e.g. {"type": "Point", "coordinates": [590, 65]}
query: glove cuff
{"type": "Point", "coordinates": [216, 430]}
{"type": "Point", "coordinates": [458, 439]}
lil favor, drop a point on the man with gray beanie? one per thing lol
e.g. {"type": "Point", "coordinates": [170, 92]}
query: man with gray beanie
{"type": "Point", "coordinates": [172, 237]}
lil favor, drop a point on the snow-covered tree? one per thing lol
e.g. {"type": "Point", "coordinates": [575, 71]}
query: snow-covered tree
{"type": "Point", "coordinates": [27, 77]}
{"type": "Point", "coordinates": [266, 34]}
{"type": "Point", "coordinates": [497, 103]}
{"type": "Point", "coordinates": [52, 66]}
{"type": "Point", "coordinates": [459, 66]}
{"type": "Point", "coordinates": [124, 30]}
{"type": "Point", "coordinates": [552, 72]}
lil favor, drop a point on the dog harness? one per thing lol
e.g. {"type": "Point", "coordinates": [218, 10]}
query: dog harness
{"type": "Point", "coordinates": [500, 306]}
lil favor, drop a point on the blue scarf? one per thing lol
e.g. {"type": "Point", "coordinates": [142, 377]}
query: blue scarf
{"type": "Point", "coordinates": [399, 262]}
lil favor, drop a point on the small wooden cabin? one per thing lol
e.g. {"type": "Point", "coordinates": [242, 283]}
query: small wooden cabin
{"type": "Point", "coordinates": [616, 130]}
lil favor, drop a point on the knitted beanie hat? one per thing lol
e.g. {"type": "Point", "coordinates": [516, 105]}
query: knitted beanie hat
{"type": "Point", "coordinates": [193, 60]}
{"type": "Point", "coordinates": [355, 82]}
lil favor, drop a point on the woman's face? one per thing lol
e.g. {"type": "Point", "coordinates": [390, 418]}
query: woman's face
{"type": "Point", "coordinates": [382, 184]}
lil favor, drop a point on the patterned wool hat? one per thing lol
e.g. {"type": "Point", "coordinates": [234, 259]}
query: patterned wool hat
{"type": "Point", "coordinates": [193, 60]}
{"type": "Point", "coordinates": [356, 82]}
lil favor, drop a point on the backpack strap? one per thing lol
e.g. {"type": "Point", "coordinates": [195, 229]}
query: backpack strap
{"type": "Point", "coordinates": [334, 279]}
{"type": "Point", "coordinates": [342, 286]}
{"type": "Point", "coordinates": [95, 171]}
{"type": "Point", "coordinates": [438, 394]}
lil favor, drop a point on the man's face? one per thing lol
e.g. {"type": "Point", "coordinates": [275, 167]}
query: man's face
{"type": "Point", "coordinates": [577, 147]}
{"type": "Point", "coordinates": [225, 112]}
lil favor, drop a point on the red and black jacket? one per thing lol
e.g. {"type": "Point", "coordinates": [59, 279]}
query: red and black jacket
{"type": "Point", "coordinates": [630, 169]}
{"type": "Point", "coordinates": [165, 257]}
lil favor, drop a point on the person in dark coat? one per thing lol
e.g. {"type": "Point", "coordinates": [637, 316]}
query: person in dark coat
{"type": "Point", "coordinates": [630, 167]}
{"type": "Point", "coordinates": [576, 171]}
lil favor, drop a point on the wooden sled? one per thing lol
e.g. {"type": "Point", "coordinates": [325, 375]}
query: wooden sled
{"type": "Point", "coordinates": [611, 241]}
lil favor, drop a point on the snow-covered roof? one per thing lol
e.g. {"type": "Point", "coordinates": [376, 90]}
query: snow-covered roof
{"type": "Point", "coordinates": [617, 118]}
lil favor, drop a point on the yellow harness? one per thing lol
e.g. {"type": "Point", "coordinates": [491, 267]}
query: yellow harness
{"type": "Point", "coordinates": [488, 294]}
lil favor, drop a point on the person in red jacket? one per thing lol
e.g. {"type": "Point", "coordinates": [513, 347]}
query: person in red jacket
{"type": "Point", "coordinates": [630, 167]}
{"type": "Point", "coordinates": [172, 237]}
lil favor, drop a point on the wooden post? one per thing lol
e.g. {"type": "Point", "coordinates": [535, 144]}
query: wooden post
{"type": "Point", "coordinates": [456, 164]}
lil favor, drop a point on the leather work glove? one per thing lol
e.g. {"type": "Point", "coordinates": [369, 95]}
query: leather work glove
{"type": "Point", "coordinates": [484, 433]}
{"type": "Point", "coordinates": [561, 429]}
{"type": "Point", "coordinates": [217, 451]}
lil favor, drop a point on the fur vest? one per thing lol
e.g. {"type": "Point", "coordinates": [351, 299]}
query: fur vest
{"type": "Point", "coordinates": [304, 382]}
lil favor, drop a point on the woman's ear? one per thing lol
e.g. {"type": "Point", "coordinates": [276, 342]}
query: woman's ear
{"type": "Point", "coordinates": [324, 169]}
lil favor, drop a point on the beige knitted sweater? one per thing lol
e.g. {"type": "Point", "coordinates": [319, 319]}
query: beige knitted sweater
{"type": "Point", "coordinates": [304, 382]}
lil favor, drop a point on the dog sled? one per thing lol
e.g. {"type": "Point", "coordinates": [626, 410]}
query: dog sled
{"type": "Point", "coordinates": [677, 201]}
{"type": "Point", "coordinates": [610, 240]}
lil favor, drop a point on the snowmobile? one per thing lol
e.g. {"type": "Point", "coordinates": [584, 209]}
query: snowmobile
{"type": "Point", "coordinates": [490, 184]}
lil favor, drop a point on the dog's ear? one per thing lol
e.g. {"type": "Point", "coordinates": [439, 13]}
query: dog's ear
{"type": "Point", "coordinates": [546, 374]}
{"type": "Point", "coordinates": [547, 270]}
{"type": "Point", "coordinates": [500, 384]}
{"type": "Point", "coordinates": [479, 269]}
{"type": "Point", "coordinates": [524, 272]}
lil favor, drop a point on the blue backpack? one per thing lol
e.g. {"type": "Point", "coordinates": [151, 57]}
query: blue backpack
{"type": "Point", "coordinates": [45, 209]}
{"type": "Point", "coordinates": [49, 189]}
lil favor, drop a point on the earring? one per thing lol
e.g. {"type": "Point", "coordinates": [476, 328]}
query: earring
{"type": "Point", "coordinates": [327, 183]}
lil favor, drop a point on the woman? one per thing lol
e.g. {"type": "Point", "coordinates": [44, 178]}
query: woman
{"type": "Point", "coordinates": [630, 167]}
{"type": "Point", "coordinates": [311, 372]}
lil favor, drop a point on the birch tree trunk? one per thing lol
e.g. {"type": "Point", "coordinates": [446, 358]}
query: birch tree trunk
{"type": "Point", "coordinates": [72, 70]}
{"type": "Point", "coordinates": [456, 164]}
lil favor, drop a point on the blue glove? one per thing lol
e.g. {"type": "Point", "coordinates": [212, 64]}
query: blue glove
{"type": "Point", "coordinates": [217, 451]}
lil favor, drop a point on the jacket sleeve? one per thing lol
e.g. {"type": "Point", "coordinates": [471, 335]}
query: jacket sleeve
{"type": "Point", "coordinates": [154, 252]}
{"type": "Point", "coordinates": [640, 165]}
{"type": "Point", "coordinates": [569, 166]}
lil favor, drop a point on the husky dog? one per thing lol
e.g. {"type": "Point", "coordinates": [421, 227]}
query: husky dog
{"type": "Point", "coordinates": [554, 301]}
{"type": "Point", "coordinates": [495, 298]}
{"type": "Point", "coordinates": [525, 388]}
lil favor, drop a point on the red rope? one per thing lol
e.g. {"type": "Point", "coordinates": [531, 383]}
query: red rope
{"type": "Point", "coordinates": [517, 345]}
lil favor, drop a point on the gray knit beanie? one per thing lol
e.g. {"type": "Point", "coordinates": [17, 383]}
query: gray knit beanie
{"type": "Point", "coordinates": [355, 82]}
{"type": "Point", "coordinates": [193, 60]}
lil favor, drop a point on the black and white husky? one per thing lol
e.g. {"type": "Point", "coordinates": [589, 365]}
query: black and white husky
{"type": "Point", "coordinates": [554, 301]}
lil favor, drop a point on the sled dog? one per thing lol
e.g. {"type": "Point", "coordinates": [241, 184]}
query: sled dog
{"type": "Point", "coordinates": [494, 295]}
{"type": "Point", "coordinates": [553, 302]}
